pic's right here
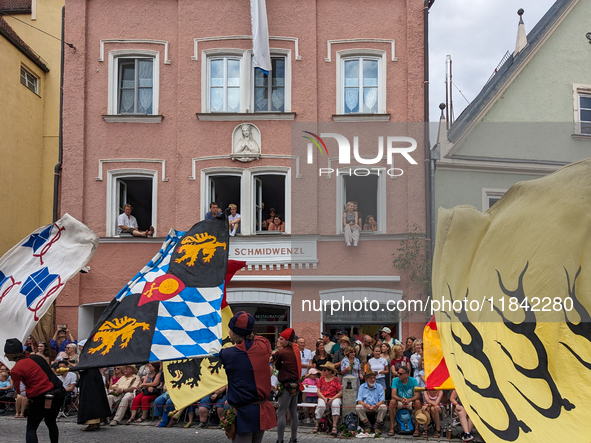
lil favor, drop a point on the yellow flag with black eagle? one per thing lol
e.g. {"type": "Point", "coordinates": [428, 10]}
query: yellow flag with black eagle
{"type": "Point", "coordinates": [514, 288]}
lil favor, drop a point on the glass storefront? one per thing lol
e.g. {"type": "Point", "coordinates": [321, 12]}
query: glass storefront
{"type": "Point", "coordinates": [270, 320]}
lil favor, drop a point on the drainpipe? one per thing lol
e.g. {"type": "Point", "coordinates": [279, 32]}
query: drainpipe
{"type": "Point", "coordinates": [58, 166]}
{"type": "Point", "coordinates": [429, 204]}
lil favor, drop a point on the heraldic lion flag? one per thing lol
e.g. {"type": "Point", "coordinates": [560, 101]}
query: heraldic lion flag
{"type": "Point", "coordinates": [172, 308]}
{"type": "Point", "coordinates": [517, 336]}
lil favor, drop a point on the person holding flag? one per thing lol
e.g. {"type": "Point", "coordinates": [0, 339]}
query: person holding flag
{"type": "Point", "coordinates": [288, 362]}
{"type": "Point", "coordinates": [249, 380]}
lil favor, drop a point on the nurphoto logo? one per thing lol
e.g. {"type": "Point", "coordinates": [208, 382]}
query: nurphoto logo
{"type": "Point", "coordinates": [409, 145]}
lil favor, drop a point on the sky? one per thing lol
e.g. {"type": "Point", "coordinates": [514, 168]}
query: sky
{"type": "Point", "coordinates": [476, 33]}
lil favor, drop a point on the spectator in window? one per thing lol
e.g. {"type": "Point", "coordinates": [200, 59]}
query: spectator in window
{"type": "Point", "coordinates": [277, 225]}
{"type": "Point", "coordinates": [370, 224]}
{"type": "Point", "coordinates": [59, 341]}
{"type": "Point", "coordinates": [356, 209]}
{"type": "Point", "coordinates": [128, 224]}
{"type": "Point", "coordinates": [123, 392]}
{"type": "Point", "coordinates": [351, 225]}
{"type": "Point", "coordinates": [234, 220]}
{"type": "Point", "coordinates": [214, 212]}
{"type": "Point", "coordinates": [268, 221]}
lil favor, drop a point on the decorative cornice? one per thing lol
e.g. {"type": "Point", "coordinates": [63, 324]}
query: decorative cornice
{"type": "Point", "coordinates": [361, 117]}
{"type": "Point", "coordinates": [241, 37]}
{"type": "Point", "coordinates": [134, 41]}
{"type": "Point", "coordinates": [224, 157]}
{"type": "Point", "coordinates": [500, 167]}
{"type": "Point", "coordinates": [131, 160]}
{"type": "Point", "coordinates": [318, 278]}
{"type": "Point", "coordinates": [359, 40]}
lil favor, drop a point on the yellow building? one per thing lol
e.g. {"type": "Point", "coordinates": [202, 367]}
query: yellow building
{"type": "Point", "coordinates": [29, 114]}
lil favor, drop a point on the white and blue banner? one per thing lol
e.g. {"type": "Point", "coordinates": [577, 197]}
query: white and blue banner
{"type": "Point", "coordinates": [260, 35]}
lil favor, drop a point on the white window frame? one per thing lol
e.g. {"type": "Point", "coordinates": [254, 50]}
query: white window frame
{"type": "Point", "coordinates": [487, 193]}
{"type": "Point", "coordinates": [381, 200]}
{"type": "Point", "coordinates": [209, 54]}
{"type": "Point", "coordinates": [247, 192]}
{"type": "Point", "coordinates": [286, 55]}
{"type": "Point", "coordinates": [112, 195]}
{"type": "Point", "coordinates": [578, 91]}
{"type": "Point", "coordinates": [113, 84]}
{"type": "Point", "coordinates": [34, 80]}
{"type": "Point", "coordinates": [348, 54]}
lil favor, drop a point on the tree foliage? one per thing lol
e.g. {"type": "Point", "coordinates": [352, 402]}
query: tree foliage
{"type": "Point", "coordinates": [413, 257]}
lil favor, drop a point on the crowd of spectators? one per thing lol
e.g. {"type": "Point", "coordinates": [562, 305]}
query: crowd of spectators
{"type": "Point", "coordinates": [387, 374]}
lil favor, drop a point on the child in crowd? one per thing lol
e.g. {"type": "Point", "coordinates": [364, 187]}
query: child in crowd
{"type": "Point", "coordinates": [21, 402]}
{"type": "Point", "coordinates": [6, 390]}
{"type": "Point", "coordinates": [311, 397]}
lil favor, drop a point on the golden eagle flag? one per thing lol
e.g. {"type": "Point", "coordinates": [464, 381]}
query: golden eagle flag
{"type": "Point", "coordinates": [172, 308]}
{"type": "Point", "coordinates": [188, 381]}
{"type": "Point", "coordinates": [513, 286]}
{"type": "Point", "coordinates": [436, 373]}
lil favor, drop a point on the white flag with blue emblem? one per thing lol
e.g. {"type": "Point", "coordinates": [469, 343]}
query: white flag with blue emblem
{"type": "Point", "coordinates": [260, 35]}
{"type": "Point", "coordinates": [33, 273]}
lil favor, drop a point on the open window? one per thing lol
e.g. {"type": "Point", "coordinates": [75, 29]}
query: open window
{"type": "Point", "coordinates": [224, 190]}
{"type": "Point", "coordinates": [268, 193]}
{"type": "Point", "coordinates": [369, 193]}
{"type": "Point", "coordinates": [136, 187]}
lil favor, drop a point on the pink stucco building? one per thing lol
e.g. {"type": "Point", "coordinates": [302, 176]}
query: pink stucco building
{"type": "Point", "coordinates": [155, 97]}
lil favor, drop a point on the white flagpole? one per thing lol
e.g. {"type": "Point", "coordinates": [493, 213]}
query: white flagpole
{"type": "Point", "coordinates": [260, 35]}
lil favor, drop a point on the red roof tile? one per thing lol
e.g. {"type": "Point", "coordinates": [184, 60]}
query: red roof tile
{"type": "Point", "coordinates": [15, 6]}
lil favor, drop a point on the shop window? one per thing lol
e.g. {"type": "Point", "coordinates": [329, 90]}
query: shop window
{"type": "Point", "coordinates": [270, 320]}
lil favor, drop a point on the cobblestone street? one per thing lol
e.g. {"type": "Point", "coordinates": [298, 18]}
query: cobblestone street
{"type": "Point", "coordinates": [13, 430]}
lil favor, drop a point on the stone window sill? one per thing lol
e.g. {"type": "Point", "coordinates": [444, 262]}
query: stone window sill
{"type": "Point", "coordinates": [361, 117]}
{"type": "Point", "coordinates": [244, 116]}
{"type": "Point", "coordinates": [133, 118]}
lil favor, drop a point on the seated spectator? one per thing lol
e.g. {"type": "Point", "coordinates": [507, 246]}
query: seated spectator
{"type": "Point", "coordinates": [465, 421]}
{"type": "Point", "coordinates": [42, 351]}
{"type": "Point", "coordinates": [69, 380]}
{"type": "Point", "coordinates": [379, 366]}
{"type": "Point", "coordinates": [214, 212]}
{"type": "Point", "coordinates": [311, 397]}
{"type": "Point", "coordinates": [330, 392]}
{"type": "Point", "coordinates": [270, 219]}
{"type": "Point", "coordinates": [433, 407]}
{"type": "Point", "coordinates": [217, 399]}
{"type": "Point", "coordinates": [370, 224]}
{"type": "Point", "coordinates": [277, 224]}
{"type": "Point", "coordinates": [117, 374]}
{"type": "Point", "coordinates": [398, 361]}
{"type": "Point", "coordinates": [403, 397]}
{"type": "Point", "coordinates": [122, 392]}
{"type": "Point", "coordinates": [71, 357]}
{"type": "Point", "coordinates": [6, 390]}
{"type": "Point", "coordinates": [350, 363]}
{"type": "Point", "coordinates": [321, 356]}
{"type": "Point", "coordinates": [127, 224]}
{"type": "Point", "coordinates": [234, 220]}
{"type": "Point", "coordinates": [371, 399]}
{"type": "Point", "coordinates": [21, 402]}
{"type": "Point", "coordinates": [59, 341]}
{"type": "Point", "coordinates": [351, 224]}
{"type": "Point", "coordinates": [150, 389]}
{"type": "Point", "coordinates": [414, 359]}
{"type": "Point", "coordinates": [163, 406]}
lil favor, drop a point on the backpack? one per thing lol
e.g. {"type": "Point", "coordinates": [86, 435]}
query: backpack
{"type": "Point", "coordinates": [350, 421]}
{"type": "Point", "coordinates": [404, 422]}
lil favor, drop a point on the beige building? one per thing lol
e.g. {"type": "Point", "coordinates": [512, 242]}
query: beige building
{"type": "Point", "coordinates": [29, 115]}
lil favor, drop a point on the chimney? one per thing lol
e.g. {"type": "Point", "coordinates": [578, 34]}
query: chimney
{"type": "Point", "coordinates": [521, 36]}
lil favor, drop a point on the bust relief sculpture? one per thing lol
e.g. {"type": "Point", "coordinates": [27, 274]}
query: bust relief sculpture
{"type": "Point", "coordinates": [246, 143]}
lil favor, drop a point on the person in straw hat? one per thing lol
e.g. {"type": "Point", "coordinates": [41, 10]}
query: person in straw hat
{"type": "Point", "coordinates": [423, 418]}
{"type": "Point", "coordinates": [330, 392]}
{"type": "Point", "coordinates": [371, 399]}
{"type": "Point", "coordinates": [122, 391]}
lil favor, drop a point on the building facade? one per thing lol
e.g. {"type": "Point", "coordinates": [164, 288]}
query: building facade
{"type": "Point", "coordinates": [29, 116]}
{"type": "Point", "coordinates": [164, 110]}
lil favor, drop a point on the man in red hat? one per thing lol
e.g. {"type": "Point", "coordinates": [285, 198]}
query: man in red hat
{"type": "Point", "coordinates": [249, 380]}
{"type": "Point", "coordinates": [288, 362]}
